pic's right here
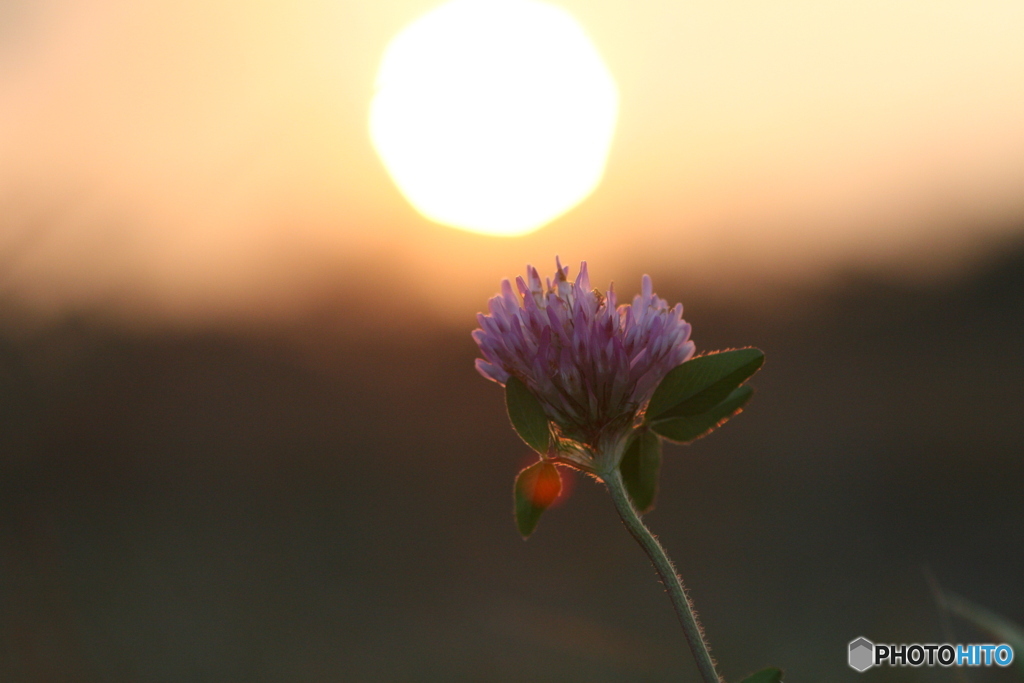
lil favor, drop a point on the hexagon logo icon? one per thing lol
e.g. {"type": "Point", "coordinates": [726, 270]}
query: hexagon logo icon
{"type": "Point", "coordinates": [862, 654]}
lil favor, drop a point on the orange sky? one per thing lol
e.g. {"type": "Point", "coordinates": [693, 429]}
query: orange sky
{"type": "Point", "coordinates": [212, 158]}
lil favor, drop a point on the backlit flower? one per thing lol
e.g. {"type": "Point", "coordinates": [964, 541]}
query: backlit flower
{"type": "Point", "coordinates": [592, 364]}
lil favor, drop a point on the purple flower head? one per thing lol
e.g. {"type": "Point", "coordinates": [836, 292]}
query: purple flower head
{"type": "Point", "coordinates": [593, 365]}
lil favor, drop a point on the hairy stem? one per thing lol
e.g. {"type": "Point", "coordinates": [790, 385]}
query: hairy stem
{"type": "Point", "coordinates": [672, 581]}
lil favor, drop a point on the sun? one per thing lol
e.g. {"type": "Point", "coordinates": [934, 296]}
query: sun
{"type": "Point", "coordinates": [494, 116]}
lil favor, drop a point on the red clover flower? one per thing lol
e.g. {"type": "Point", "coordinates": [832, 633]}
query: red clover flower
{"type": "Point", "coordinates": [597, 386]}
{"type": "Point", "coordinates": [593, 365]}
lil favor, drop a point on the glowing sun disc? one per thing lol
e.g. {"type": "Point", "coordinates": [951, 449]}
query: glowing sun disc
{"type": "Point", "coordinates": [494, 116]}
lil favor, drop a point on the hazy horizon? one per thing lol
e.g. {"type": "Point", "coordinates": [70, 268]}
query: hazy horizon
{"type": "Point", "coordinates": [204, 160]}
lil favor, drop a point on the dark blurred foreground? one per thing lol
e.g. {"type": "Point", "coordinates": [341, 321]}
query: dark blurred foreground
{"type": "Point", "coordinates": [288, 506]}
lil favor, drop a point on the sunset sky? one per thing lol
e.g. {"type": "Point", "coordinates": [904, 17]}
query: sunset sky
{"type": "Point", "coordinates": [203, 159]}
{"type": "Point", "coordinates": [241, 433]}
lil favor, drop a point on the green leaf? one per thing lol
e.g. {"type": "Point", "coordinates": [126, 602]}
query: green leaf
{"type": "Point", "coordinates": [640, 466]}
{"type": "Point", "coordinates": [700, 384]}
{"type": "Point", "coordinates": [527, 415]}
{"type": "Point", "coordinates": [692, 427]}
{"type": "Point", "coordinates": [536, 489]}
{"type": "Point", "coordinates": [769, 675]}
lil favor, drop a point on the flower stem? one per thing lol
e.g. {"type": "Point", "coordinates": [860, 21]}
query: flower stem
{"type": "Point", "coordinates": [672, 581]}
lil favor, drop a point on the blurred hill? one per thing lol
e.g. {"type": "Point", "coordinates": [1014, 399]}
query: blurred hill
{"type": "Point", "coordinates": [294, 503]}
